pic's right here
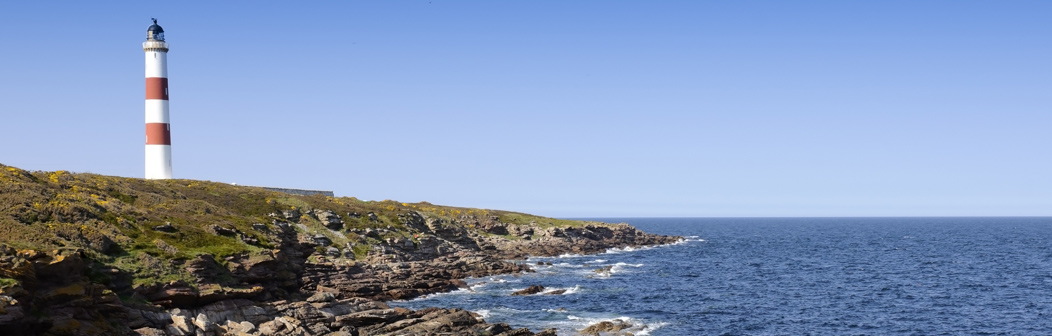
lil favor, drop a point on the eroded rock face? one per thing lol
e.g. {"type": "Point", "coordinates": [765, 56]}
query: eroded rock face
{"type": "Point", "coordinates": [53, 281]}
{"type": "Point", "coordinates": [582, 240]}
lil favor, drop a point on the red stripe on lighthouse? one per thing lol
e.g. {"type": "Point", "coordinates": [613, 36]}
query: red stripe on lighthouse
{"type": "Point", "coordinates": [158, 134]}
{"type": "Point", "coordinates": [157, 88]}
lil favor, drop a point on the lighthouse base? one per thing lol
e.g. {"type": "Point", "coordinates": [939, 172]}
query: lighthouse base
{"type": "Point", "coordinates": [158, 162]}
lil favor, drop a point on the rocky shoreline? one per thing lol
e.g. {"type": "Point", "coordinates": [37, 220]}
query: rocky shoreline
{"type": "Point", "coordinates": [303, 285]}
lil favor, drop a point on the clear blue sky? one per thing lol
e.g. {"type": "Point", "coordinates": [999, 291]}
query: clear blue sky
{"type": "Point", "coordinates": [559, 108]}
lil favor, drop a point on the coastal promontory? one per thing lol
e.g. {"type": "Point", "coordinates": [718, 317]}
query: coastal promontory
{"type": "Point", "coordinates": [87, 254]}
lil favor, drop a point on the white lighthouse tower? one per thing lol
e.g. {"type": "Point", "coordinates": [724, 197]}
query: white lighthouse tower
{"type": "Point", "coordinates": [158, 131]}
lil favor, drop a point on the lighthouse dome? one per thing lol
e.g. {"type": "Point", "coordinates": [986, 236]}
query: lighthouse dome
{"type": "Point", "coordinates": [155, 32]}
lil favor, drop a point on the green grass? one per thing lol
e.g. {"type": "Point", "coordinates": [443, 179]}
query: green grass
{"type": "Point", "coordinates": [7, 282]}
{"type": "Point", "coordinates": [360, 251]}
{"type": "Point", "coordinates": [541, 222]}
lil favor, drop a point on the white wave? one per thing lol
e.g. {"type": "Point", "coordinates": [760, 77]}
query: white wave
{"type": "Point", "coordinates": [460, 291]}
{"type": "Point", "coordinates": [499, 312]}
{"type": "Point", "coordinates": [599, 261]}
{"type": "Point", "coordinates": [567, 265]}
{"type": "Point", "coordinates": [651, 327]}
{"type": "Point", "coordinates": [617, 250]}
{"type": "Point", "coordinates": [691, 237]}
{"type": "Point", "coordinates": [569, 255]}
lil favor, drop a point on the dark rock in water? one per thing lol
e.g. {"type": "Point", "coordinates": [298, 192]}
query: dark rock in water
{"type": "Point", "coordinates": [612, 328]}
{"type": "Point", "coordinates": [167, 227]}
{"type": "Point", "coordinates": [556, 292]}
{"type": "Point", "coordinates": [530, 290]}
{"type": "Point", "coordinates": [540, 263]}
{"type": "Point", "coordinates": [604, 270]}
{"type": "Point", "coordinates": [548, 332]}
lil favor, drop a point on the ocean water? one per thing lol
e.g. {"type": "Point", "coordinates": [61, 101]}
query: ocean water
{"type": "Point", "coordinates": [792, 276]}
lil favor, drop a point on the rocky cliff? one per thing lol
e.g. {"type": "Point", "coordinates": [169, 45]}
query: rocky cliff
{"type": "Point", "coordinates": [84, 254]}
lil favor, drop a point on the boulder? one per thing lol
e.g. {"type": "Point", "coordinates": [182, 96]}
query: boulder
{"type": "Point", "coordinates": [167, 227]}
{"type": "Point", "coordinates": [165, 247]}
{"type": "Point", "coordinates": [292, 215]}
{"type": "Point", "coordinates": [332, 252]}
{"type": "Point", "coordinates": [221, 231]}
{"type": "Point", "coordinates": [322, 240]}
{"type": "Point", "coordinates": [329, 218]}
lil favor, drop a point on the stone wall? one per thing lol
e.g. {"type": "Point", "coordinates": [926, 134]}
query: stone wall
{"type": "Point", "coordinates": [303, 192]}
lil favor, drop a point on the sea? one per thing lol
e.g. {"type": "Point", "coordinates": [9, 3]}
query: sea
{"type": "Point", "coordinates": [790, 276]}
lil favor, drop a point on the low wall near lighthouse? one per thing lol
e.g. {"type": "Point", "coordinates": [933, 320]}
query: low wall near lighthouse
{"type": "Point", "coordinates": [303, 192]}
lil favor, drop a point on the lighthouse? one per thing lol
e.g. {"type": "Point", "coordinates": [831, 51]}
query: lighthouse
{"type": "Point", "coordinates": [158, 130]}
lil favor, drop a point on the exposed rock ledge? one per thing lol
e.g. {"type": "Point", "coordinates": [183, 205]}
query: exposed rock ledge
{"type": "Point", "coordinates": [299, 287]}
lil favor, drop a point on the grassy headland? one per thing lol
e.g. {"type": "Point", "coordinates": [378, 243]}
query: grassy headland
{"type": "Point", "coordinates": [113, 219]}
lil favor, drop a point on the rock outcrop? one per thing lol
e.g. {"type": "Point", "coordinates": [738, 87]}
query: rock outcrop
{"type": "Point", "coordinates": [292, 289]}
